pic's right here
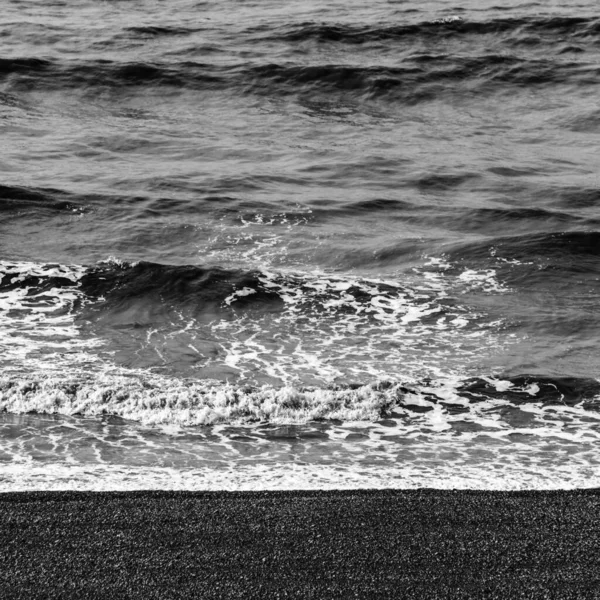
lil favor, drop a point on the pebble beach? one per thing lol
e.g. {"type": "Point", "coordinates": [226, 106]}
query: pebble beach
{"type": "Point", "coordinates": [353, 544]}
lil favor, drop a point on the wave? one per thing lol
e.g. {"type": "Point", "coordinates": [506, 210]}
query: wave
{"type": "Point", "coordinates": [113, 283]}
{"type": "Point", "coordinates": [558, 271]}
{"type": "Point", "coordinates": [54, 74]}
{"type": "Point", "coordinates": [416, 81]}
{"type": "Point", "coordinates": [26, 199]}
{"type": "Point", "coordinates": [368, 206]}
{"type": "Point", "coordinates": [574, 27]}
{"type": "Point", "coordinates": [420, 78]}
{"type": "Point", "coordinates": [488, 221]}
{"type": "Point", "coordinates": [20, 199]}
{"type": "Point", "coordinates": [116, 282]}
{"type": "Point", "coordinates": [194, 345]}
{"type": "Point", "coordinates": [193, 200]}
{"type": "Point", "coordinates": [256, 326]}
{"type": "Point", "coordinates": [9, 66]}
{"type": "Point", "coordinates": [565, 246]}
{"type": "Point", "coordinates": [532, 389]}
{"type": "Point", "coordinates": [574, 197]}
{"type": "Point", "coordinates": [157, 30]}
{"type": "Point", "coordinates": [155, 400]}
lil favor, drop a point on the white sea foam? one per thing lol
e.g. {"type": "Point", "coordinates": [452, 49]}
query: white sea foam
{"type": "Point", "coordinates": [335, 328]}
{"type": "Point", "coordinates": [427, 437]}
{"type": "Point", "coordinates": [159, 400]}
{"type": "Point", "coordinates": [290, 365]}
{"type": "Point", "coordinates": [485, 280]}
{"type": "Point", "coordinates": [30, 477]}
{"type": "Point", "coordinates": [332, 329]}
{"type": "Point", "coordinates": [37, 326]}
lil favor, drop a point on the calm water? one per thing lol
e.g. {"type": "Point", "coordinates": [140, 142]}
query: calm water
{"type": "Point", "coordinates": [264, 245]}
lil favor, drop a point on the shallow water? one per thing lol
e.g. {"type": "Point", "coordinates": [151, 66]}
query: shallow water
{"type": "Point", "coordinates": [249, 245]}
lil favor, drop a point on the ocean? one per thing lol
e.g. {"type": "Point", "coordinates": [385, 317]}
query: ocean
{"type": "Point", "coordinates": [254, 245]}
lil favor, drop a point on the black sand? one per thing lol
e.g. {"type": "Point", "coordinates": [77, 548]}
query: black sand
{"type": "Point", "coordinates": [355, 544]}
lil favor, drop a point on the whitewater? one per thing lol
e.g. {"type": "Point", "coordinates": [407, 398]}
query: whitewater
{"type": "Point", "coordinates": [255, 246]}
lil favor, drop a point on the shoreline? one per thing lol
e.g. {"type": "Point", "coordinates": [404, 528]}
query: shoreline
{"type": "Point", "coordinates": [422, 543]}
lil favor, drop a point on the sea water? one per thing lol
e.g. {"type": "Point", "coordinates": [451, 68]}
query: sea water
{"type": "Point", "coordinates": [255, 245]}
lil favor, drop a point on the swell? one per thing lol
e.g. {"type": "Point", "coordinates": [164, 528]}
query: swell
{"type": "Point", "coordinates": [113, 285]}
{"type": "Point", "coordinates": [158, 30]}
{"type": "Point", "coordinates": [488, 221]}
{"type": "Point", "coordinates": [54, 74]}
{"type": "Point", "coordinates": [116, 283]}
{"type": "Point", "coordinates": [533, 389]}
{"type": "Point", "coordinates": [147, 315]}
{"type": "Point", "coordinates": [567, 248]}
{"type": "Point", "coordinates": [234, 325]}
{"type": "Point", "coordinates": [420, 77]}
{"type": "Point", "coordinates": [26, 199]}
{"type": "Point", "coordinates": [518, 28]}
{"type": "Point", "coordinates": [463, 218]}
{"type": "Point", "coordinates": [19, 199]}
{"type": "Point", "coordinates": [559, 273]}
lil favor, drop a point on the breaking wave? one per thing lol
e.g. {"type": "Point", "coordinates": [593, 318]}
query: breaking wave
{"type": "Point", "coordinates": [155, 400]}
{"type": "Point", "coordinates": [262, 327]}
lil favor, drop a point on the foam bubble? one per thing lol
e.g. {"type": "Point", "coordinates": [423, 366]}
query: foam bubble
{"type": "Point", "coordinates": [484, 280]}
{"type": "Point", "coordinates": [331, 329]}
{"type": "Point", "coordinates": [383, 435]}
{"type": "Point", "coordinates": [37, 326]}
{"type": "Point", "coordinates": [53, 477]}
{"type": "Point", "coordinates": [342, 327]}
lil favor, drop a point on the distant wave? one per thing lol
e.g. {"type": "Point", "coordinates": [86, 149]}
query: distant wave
{"type": "Point", "coordinates": [418, 78]}
{"type": "Point", "coordinates": [160, 30]}
{"type": "Point", "coordinates": [562, 210]}
{"type": "Point", "coordinates": [562, 247]}
{"type": "Point", "coordinates": [492, 220]}
{"type": "Point", "coordinates": [25, 199]}
{"type": "Point", "coordinates": [574, 27]}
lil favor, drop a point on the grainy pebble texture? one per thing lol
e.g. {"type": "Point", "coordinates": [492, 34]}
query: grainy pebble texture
{"type": "Point", "coordinates": [331, 544]}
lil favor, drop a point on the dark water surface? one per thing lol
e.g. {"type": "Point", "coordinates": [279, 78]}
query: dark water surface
{"type": "Point", "coordinates": [247, 244]}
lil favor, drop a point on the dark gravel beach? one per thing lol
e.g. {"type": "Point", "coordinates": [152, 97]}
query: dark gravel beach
{"type": "Point", "coordinates": [331, 544]}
